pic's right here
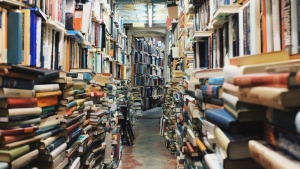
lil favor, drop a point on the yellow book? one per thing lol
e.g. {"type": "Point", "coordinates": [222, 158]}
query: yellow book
{"type": "Point", "coordinates": [26, 40]}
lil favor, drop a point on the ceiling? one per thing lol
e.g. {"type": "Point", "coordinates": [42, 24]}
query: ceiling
{"type": "Point", "coordinates": [136, 11]}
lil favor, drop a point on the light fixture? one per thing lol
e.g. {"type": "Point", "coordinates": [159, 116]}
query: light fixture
{"type": "Point", "coordinates": [150, 11]}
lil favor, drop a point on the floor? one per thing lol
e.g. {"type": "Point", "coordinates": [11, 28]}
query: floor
{"type": "Point", "coordinates": [148, 151]}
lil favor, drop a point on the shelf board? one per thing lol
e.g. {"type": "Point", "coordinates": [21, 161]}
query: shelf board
{"type": "Point", "coordinates": [221, 14]}
{"type": "Point", "coordinates": [198, 35]}
{"type": "Point", "coordinates": [15, 3]}
{"type": "Point", "coordinates": [58, 26]}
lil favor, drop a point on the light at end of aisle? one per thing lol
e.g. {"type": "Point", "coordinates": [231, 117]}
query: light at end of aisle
{"type": "Point", "coordinates": [150, 12]}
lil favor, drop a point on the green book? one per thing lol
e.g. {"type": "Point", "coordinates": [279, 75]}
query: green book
{"type": "Point", "coordinates": [10, 155]}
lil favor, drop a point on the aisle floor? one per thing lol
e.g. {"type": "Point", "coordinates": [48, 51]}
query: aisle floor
{"type": "Point", "coordinates": [148, 151]}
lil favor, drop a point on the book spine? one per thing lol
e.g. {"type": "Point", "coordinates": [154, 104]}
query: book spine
{"type": "Point", "coordinates": [74, 134]}
{"type": "Point", "coordinates": [55, 144]}
{"type": "Point", "coordinates": [211, 91]}
{"type": "Point", "coordinates": [21, 103]}
{"type": "Point", "coordinates": [261, 80]}
{"type": "Point", "coordinates": [216, 81]}
{"type": "Point", "coordinates": [18, 131]}
{"type": "Point", "coordinates": [46, 88]}
{"type": "Point", "coordinates": [24, 111]}
{"type": "Point", "coordinates": [17, 93]}
{"type": "Point", "coordinates": [17, 83]}
{"type": "Point", "coordinates": [73, 127]}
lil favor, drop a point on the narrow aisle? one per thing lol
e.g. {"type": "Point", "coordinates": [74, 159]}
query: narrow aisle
{"type": "Point", "coordinates": [148, 151]}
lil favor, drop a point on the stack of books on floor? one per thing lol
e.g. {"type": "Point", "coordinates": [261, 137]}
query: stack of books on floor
{"type": "Point", "coordinates": [126, 117]}
{"type": "Point", "coordinates": [171, 107]}
{"type": "Point", "coordinates": [137, 104]}
{"type": "Point", "coordinates": [20, 117]}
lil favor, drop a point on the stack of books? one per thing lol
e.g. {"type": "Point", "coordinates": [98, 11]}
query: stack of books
{"type": "Point", "coordinates": [19, 120]}
{"type": "Point", "coordinates": [137, 103]}
{"type": "Point", "coordinates": [274, 88]}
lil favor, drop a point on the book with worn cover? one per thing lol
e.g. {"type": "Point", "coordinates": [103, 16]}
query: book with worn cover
{"type": "Point", "coordinates": [7, 103]}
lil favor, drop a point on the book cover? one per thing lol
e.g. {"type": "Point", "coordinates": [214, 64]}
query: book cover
{"type": "Point", "coordinates": [10, 155]}
{"type": "Point", "coordinates": [25, 159]}
{"type": "Point", "coordinates": [224, 120]}
{"type": "Point", "coordinates": [18, 131]}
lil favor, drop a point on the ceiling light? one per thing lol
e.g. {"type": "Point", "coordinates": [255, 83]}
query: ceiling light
{"type": "Point", "coordinates": [150, 14]}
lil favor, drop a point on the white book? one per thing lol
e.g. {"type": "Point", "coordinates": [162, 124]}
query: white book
{"type": "Point", "coordinates": [75, 164]}
{"type": "Point", "coordinates": [86, 14]}
{"type": "Point", "coordinates": [276, 25]}
{"type": "Point", "coordinates": [58, 150]}
{"type": "Point", "coordinates": [38, 41]}
{"type": "Point", "coordinates": [294, 27]}
{"type": "Point", "coordinates": [212, 161]}
{"type": "Point", "coordinates": [255, 35]}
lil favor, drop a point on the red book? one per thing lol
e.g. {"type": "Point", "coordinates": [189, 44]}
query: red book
{"type": "Point", "coordinates": [265, 79]}
{"type": "Point", "coordinates": [14, 138]}
{"type": "Point", "coordinates": [8, 103]}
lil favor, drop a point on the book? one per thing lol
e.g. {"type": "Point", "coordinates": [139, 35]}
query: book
{"type": "Point", "coordinates": [279, 98]}
{"type": "Point", "coordinates": [16, 93]}
{"type": "Point", "coordinates": [20, 112]}
{"type": "Point", "coordinates": [269, 158]}
{"type": "Point", "coordinates": [243, 111]}
{"type": "Point", "coordinates": [235, 145]}
{"type": "Point", "coordinates": [283, 140]}
{"type": "Point", "coordinates": [10, 155]}
{"type": "Point", "coordinates": [225, 121]}
{"type": "Point", "coordinates": [25, 159]}
{"type": "Point", "coordinates": [8, 103]}
{"type": "Point", "coordinates": [46, 88]}
{"type": "Point", "coordinates": [20, 123]}
{"type": "Point", "coordinates": [15, 36]}
{"type": "Point", "coordinates": [266, 79]}
{"type": "Point", "coordinates": [207, 73]}
{"type": "Point", "coordinates": [48, 94]}
{"type": "Point", "coordinates": [18, 131]}
{"type": "Point", "coordinates": [286, 119]}
{"type": "Point", "coordinates": [47, 101]}
{"type": "Point", "coordinates": [14, 138]}
{"type": "Point", "coordinates": [55, 153]}
{"type": "Point", "coordinates": [7, 82]}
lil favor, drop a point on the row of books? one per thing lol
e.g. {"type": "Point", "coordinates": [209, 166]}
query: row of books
{"type": "Point", "coordinates": [143, 80]}
{"type": "Point", "coordinates": [148, 59]}
{"type": "Point", "coordinates": [144, 45]}
{"type": "Point", "coordinates": [139, 68]}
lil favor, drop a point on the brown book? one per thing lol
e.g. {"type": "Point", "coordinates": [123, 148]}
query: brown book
{"type": "Point", "coordinates": [7, 103]}
{"type": "Point", "coordinates": [14, 138]}
{"type": "Point", "coordinates": [70, 129]}
{"type": "Point", "coordinates": [18, 131]}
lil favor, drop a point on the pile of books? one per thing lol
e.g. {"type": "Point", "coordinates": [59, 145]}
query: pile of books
{"type": "Point", "coordinates": [136, 100]}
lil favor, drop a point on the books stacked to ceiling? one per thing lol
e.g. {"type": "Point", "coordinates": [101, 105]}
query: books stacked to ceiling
{"type": "Point", "coordinates": [126, 117]}
{"type": "Point", "coordinates": [168, 120]}
{"type": "Point", "coordinates": [136, 100]}
{"type": "Point", "coordinates": [275, 88]}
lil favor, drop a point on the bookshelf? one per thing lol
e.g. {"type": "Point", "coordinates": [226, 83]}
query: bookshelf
{"type": "Point", "coordinates": [148, 70]}
{"type": "Point", "coordinates": [70, 56]}
{"type": "Point", "coordinates": [228, 42]}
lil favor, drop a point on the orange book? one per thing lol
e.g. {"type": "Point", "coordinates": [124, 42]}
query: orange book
{"type": "Point", "coordinates": [47, 101]}
{"type": "Point", "coordinates": [47, 94]}
{"type": "Point", "coordinates": [68, 54]}
{"type": "Point", "coordinates": [70, 111]}
{"type": "Point", "coordinates": [78, 19]}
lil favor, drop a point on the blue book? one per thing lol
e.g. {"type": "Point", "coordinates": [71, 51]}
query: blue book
{"type": "Point", "coordinates": [213, 91]}
{"type": "Point", "coordinates": [15, 38]}
{"type": "Point", "coordinates": [225, 121]}
{"type": "Point", "coordinates": [33, 37]}
{"type": "Point", "coordinates": [216, 81]}
{"type": "Point", "coordinates": [6, 82]}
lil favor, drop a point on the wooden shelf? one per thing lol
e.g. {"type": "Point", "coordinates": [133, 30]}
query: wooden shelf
{"type": "Point", "coordinates": [14, 3]}
{"type": "Point", "coordinates": [221, 15]}
{"type": "Point", "coordinates": [198, 35]}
